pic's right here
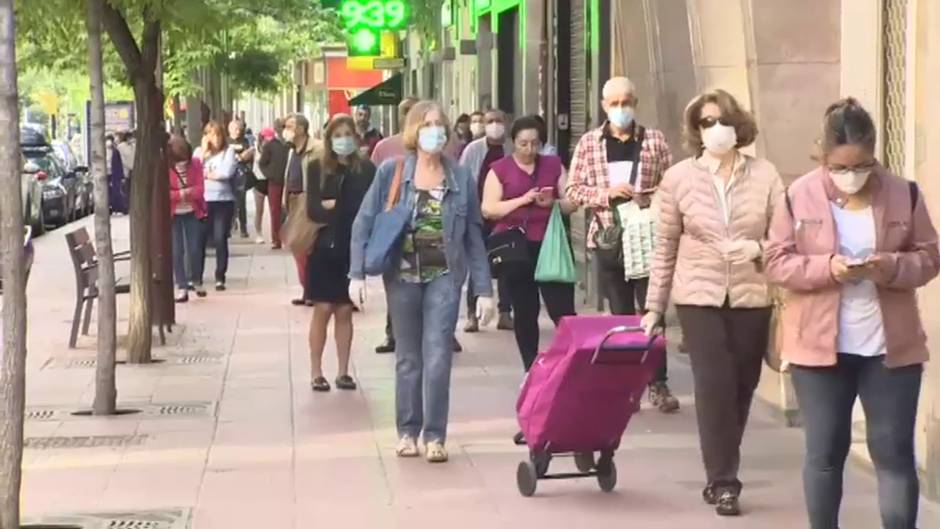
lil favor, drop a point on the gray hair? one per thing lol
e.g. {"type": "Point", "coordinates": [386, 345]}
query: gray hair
{"type": "Point", "coordinates": [300, 119]}
{"type": "Point", "coordinates": [618, 83]}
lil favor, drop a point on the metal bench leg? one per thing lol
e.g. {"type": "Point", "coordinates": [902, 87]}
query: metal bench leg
{"type": "Point", "coordinates": [87, 320]}
{"type": "Point", "coordinates": [73, 336]}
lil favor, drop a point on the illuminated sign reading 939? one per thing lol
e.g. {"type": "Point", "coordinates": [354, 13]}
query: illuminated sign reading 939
{"type": "Point", "coordinates": [374, 14]}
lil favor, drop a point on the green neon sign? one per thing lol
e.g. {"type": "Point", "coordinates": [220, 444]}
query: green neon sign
{"type": "Point", "coordinates": [375, 15]}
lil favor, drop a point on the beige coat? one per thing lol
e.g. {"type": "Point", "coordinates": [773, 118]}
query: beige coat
{"type": "Point", "coordinates": [688, 266]}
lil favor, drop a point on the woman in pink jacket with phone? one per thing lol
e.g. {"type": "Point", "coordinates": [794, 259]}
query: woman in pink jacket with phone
{"type": "Point", "coordinates": [189, 211]}
{"type": "Point", "coordinates": [851, 242]}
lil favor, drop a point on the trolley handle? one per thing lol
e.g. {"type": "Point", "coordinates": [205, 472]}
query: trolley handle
{"type": "Point", "coordinates": [622, 329]}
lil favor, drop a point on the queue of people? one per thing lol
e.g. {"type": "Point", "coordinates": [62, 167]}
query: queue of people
{"type": "Point", "coordinates": [713, 235]}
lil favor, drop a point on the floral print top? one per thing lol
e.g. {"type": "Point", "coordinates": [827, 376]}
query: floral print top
{"type": "Point", "coordinates": [423, 257]}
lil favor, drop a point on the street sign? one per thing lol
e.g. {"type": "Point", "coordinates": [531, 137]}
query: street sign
{"type": "Point", "coordinates": [382, 63]}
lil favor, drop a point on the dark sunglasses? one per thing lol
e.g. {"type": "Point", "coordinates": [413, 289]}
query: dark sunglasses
{"type": "Point", "coordinates": [709, 122]}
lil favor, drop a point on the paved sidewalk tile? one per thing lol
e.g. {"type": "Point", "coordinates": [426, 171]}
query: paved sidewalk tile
{"type": "Point", "coordinates": [244, 442]}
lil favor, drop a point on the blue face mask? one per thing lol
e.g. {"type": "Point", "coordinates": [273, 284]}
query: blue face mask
{"type": "Point", "coordinates": [432, 139]}
{"type": "Point", "coordinates": [620, 117]}
{"type": "Point", "coordinates": [344, 146]}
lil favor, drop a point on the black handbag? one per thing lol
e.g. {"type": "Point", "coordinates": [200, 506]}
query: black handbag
{"type": "Point", "coordinates": [608, 241]}
{"type": "Point", "coordinates": [507, 248]}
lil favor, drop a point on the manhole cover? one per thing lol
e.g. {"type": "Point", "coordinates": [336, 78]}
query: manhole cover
{"type": "Point", "coordinates": [89, 441]}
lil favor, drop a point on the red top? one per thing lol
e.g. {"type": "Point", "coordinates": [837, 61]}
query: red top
{"type": "Point", "coordinates": [516, 182]}
{"type": "Point", "coordinates": [194, 185]}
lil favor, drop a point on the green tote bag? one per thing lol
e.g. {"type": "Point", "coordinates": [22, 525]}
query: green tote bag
{"type": "Point", "coordinates": [555, 264]}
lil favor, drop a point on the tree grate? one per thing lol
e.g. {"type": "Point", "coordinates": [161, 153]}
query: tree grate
{"type": "Point", "coordinates": [91, 363]}
{"type": "Point", "coordinates": [86, 441]}
{"type": "Point", "coordinates": [165, 519]}
{"type": "Point", "coordinates": [140, 410]}
{"type": "Point", "coordinates": [39, 414]}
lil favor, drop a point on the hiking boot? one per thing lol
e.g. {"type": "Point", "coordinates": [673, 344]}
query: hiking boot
{"type": "Point", "coordinates": [473, 324]}
{"type": "Point", "coordinates": [661, 397]}
{"type": "Point", "coordinates": [505, 322]}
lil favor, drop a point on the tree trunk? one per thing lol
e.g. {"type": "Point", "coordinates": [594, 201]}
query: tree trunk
{"type": "Point", "coordinates": [146, 164]}
{"type": "Point", "coordinates": [13, 353]}
{"type": "Point", "coordinates": [105, 384]}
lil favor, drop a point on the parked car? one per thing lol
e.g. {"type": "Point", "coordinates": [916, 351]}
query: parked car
{"type": "Point", "coordinates": [31, 188]}
{"type": "Point", "coordinates": [86, 196]}
{"type": "Point", "coordinates": [60, 189]}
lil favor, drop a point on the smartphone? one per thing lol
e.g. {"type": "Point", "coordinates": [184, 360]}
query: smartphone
{"type": "Point", "coordinates": [547, 193]}
{"type": "Point", "coordinates": [855, 264]}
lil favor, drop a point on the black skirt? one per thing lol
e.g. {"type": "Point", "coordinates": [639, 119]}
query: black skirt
{"type": "Point", "coordinates": [328, 272]}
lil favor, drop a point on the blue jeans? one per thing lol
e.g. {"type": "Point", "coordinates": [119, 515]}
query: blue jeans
{"type": "Point", "coordinates": [889, 397]}
{"type": "Point", "coordinates": [188, 249]}
{"type": "Point", "coordinates": [424, 316]}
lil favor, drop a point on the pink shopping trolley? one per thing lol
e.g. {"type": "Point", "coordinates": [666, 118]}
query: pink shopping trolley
{"type": "Point", "coordinates": [579, 396]}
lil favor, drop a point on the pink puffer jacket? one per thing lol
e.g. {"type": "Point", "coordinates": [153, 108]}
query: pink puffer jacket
{"type": "Point", "coordinates": [687, 261]}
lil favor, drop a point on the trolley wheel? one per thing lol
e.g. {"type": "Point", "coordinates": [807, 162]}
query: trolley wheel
{"type": "Point", "coordinates": [607, 475]}
{"type": "Point", "coordinates": [526, 478]}
{"type": "Point", "coordinates": [584, 461]}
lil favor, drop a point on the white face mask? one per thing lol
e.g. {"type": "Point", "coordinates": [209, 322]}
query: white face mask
{"type": "Point", "coordinates": [432, 139]}
{"type": "Point", "coordinates": [719, 139]}
{"type": "Point", "coordinates": [477, 129]}
{"type": "Point", "coordinates": [849, 181]}
{"type": "Point", "coordinates": [344, 146]}
{"type": "Point", "coordinates": [496, 131]}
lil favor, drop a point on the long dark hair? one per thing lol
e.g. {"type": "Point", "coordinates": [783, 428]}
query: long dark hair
{"type": "Point", "coordinates": [329, 162]}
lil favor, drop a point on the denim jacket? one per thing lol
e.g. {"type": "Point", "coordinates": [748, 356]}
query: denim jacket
{"type": "Point", "coordinates": [463, 223]}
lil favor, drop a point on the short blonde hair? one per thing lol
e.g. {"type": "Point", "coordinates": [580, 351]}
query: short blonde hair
{"type": "Point", "coordinates": [415, 120]}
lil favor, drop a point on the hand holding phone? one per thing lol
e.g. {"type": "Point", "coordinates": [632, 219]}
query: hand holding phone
{"type": "Point", "coordinates": [546, 197]}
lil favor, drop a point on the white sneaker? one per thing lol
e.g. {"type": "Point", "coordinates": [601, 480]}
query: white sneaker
{"type": "Point", "coordinates": [259, 240]}
{"type": "Point", "coordinates": [407, 447]}
{"type": "Point", "coordinates": [435, 452]}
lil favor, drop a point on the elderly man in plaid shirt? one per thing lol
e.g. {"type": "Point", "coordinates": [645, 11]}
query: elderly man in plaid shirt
{"type": "Point", "coordinates": [602, 176]}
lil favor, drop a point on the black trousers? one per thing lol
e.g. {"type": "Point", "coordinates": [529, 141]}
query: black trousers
{"type": "Point", "coordinates": [220, 227]}
{"type": "Point", "coordinates": [889, 397]}
{"type": "Point", "coordinates": [524, 292]}
{"type": "Point", "coordinates": [628, 298]}
{"type": "Point", "coordinates": [726, 347]}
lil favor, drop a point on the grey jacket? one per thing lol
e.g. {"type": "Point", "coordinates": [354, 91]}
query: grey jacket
{"type": "Point", "coordinates": [475, 152]}
{"type": "Point", "coordinates": [463, 224]}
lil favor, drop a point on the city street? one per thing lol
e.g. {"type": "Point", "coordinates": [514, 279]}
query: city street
{"type": "Point", "coordinates": [231, 436]}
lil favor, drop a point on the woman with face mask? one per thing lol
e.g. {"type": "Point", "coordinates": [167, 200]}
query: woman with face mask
{"type": "Point", "coordinates": [851, 243]}
{"type": "Point", "coordinates": [520, 191]}
{"type": "Point", "coordinates": [428, 264]}
{"type": "Point", "coordinates": [219, 163]}
{"type": "Point", "coordinates": [336, 184]}
{"type": "Point", "coordinates": [715, 209]}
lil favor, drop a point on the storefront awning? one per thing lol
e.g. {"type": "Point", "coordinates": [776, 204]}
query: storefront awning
{"type": "Point", "coordinates": [387, 93]}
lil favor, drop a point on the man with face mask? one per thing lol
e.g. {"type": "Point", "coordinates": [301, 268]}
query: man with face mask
{"type": "Point", "coordinates": [618, 162]}
{"type": "Point", "coordinates": [477, 157]}
{"type": "Point", "coordinates": [303, 149]}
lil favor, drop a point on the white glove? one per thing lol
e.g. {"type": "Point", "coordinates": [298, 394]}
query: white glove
{"type": "Point", "coordinates": [741, 251]}
{"type": "Point", "coordinates": [486, 309]}
{"type": "Point", "coordinates": [650, 322]}
{"type": "Point", "coordinates": [357, 292]}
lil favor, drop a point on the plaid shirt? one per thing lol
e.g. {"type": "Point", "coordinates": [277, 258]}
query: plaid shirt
{"type": "Point", "coordinates": [589, 177]}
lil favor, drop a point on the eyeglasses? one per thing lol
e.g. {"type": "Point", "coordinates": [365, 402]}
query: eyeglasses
{"type": "Point", "coordinates": [709, 122]}
{"type": "Point", "coordinates": [867, 166]}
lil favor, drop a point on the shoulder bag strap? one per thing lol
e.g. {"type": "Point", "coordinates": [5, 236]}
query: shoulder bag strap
{"type": "Point", "coordinates": [394, 191]}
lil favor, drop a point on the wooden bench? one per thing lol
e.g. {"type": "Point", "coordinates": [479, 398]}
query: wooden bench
{"type": "Point", "coordinates": [85, 262]}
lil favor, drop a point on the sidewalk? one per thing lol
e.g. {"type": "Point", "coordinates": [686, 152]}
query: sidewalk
{"type": "Point", "coordinates": [232, 437]}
